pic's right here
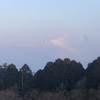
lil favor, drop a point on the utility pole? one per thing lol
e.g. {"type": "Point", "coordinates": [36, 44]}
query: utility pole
{"type": "Point", "coordinates": [22, 79]}
{"type": "Point", "coordinates": [22, 84]}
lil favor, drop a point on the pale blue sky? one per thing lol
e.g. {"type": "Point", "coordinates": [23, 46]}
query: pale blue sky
{"type": "Point", "coordinates": [38, 31]}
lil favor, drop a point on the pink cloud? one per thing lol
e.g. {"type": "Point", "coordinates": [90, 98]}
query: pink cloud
{"type": "Point", "coordinates": [58, 42]}
{"type": "Point", "coordinates": [61, 41]}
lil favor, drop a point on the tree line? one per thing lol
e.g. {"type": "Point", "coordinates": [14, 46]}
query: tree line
{"type": "Point", "coordinates": [58, 76]}
{"type": "Point", "coordinates": [63, 75]}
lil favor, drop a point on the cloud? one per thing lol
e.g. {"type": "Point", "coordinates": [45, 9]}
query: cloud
{"type": "Point", "coordinates": [61, 41]}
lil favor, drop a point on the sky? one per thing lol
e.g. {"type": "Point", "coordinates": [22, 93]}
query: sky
{"type": "Point", "coordinates": [38, 31]}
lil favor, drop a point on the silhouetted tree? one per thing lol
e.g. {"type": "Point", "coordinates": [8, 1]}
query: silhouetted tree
{"type": "Point", "coordinates": [25, 79]}
{"type": "Point", "coordinates": [74, 73]}
{"type": "Point", "coordinates": [93, 74]}
{"type": "Point", "coordinates": [2, 76]}
{"type": "Point", "coordinates": [60, 72]}
{"type": "Point", "coordinates": [11, 76]}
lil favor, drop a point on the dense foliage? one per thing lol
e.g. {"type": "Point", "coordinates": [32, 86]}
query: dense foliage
{"type": "Point", "coordinates": [56, 77]}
